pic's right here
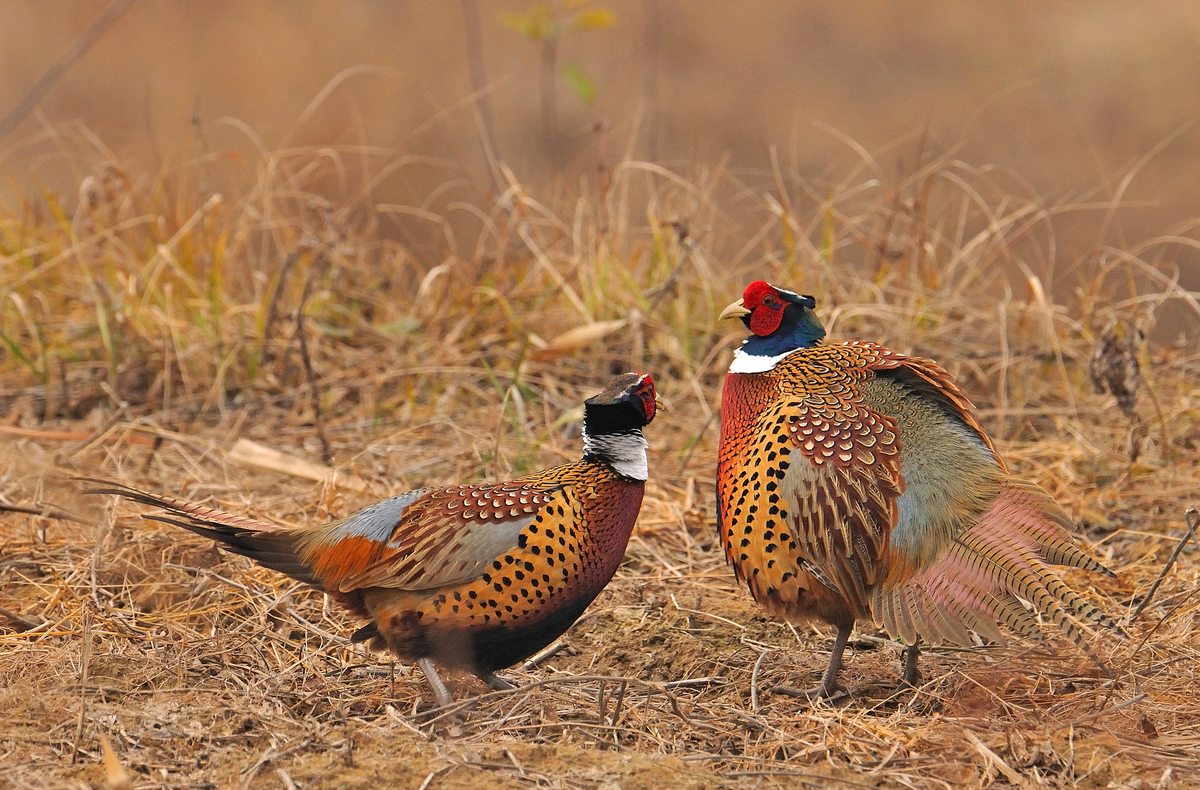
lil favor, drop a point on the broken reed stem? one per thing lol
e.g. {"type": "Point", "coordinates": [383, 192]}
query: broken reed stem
{"type": "Point", "coordinates": [1191, 520]}
{"type": "Point", "coordinates": [264, 355]}
{"type": "Point", "coordinates": [314, 391]}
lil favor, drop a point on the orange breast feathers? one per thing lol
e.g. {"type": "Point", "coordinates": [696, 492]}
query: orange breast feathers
{"type": "Point", "coordinates": [808, 487]}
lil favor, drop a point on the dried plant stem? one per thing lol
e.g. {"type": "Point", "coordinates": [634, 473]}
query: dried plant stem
{"type": "Point", "coordinates": [314, 390]}
{"type": "Point", "coordinates": [754, 706]}
{"type": "Point", "coordinates": [483, 101]}
{"type": "Point", "coordinates": [52, 75]}
{"type": "Point", "coordinates": [85, 660]}
{"type": "Point", "coordinates": [44, 510]}
{"type": "Point", "coordinates": [285, 270]}
{"type": "Point", "coordinates": [1191, 520]}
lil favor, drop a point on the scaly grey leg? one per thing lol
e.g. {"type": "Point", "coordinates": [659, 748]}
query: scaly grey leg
{"type": "Point", "coordinates": [444, 697]}
{"type": "Point", "coordinates": [829, 688]}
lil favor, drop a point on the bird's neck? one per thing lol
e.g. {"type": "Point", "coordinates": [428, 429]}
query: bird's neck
{"type": "Point", "coordinates": [624, 451]}
{"type": "Point", "coordinates": [760, 354]}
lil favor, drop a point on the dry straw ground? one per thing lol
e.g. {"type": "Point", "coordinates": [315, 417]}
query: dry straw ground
{"type": "Point", "coordinates": [148, 325]}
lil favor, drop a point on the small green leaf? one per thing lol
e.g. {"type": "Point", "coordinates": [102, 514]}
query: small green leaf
{"type": "Point", "coordinates": [537, 25]}
{"type": "Point", "coordinates": [595, 19]}
{"type": "Point", "coordinates": [402, 327]}
{"type": "Point", "coordinates": [16, 351]}
{"type": "Point", "coordinates": [518, 22]}
{"type": "Point", "coordinates": [581, 83]}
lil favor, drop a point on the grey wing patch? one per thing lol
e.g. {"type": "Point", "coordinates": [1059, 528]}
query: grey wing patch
{"type": "Point", "coordinates": [377, 521]}
{"type": "Point", "coordinates": [437, 562]}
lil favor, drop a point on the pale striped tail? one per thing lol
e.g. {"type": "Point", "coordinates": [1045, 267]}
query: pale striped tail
{"type": "Point", "coordinates": [997, 576]}
{"type": "Point", "coordinates": [269, 545]}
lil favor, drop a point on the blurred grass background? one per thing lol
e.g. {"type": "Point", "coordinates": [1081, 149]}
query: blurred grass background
{"type": "Point", "coordinates": [1066, 100]}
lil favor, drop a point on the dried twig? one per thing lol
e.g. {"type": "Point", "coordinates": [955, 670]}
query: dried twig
{"type": "Point", "coordinates": [754, 681]}
{"type": "Point", "coordinates": [20, 622]}
{"type": "Point", "coordinates": [85, 662]}
{"type": "Point", "coordinates": [314, 390]}
{"type": "Point", "coordinates": [44, 510]}
{"type": "Point", "coordinates": [1191, 520]}
{"type": "Point", "coordinates": [534, 661]}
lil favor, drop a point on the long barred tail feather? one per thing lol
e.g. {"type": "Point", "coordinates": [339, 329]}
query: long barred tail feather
{"type": "Point", "coordinates": [1050, 526]}
{"type": "Point", "coordinates": [269, 545]}
{"type": "Point", "coordinates": [999, 572]}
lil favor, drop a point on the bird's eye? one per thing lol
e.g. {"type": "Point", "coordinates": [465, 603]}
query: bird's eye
{"type": "Point", "coordinates": [771, 302]}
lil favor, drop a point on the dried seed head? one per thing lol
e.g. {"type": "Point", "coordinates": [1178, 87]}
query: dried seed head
{"type": "Point", "coordinates": [1115, 368]}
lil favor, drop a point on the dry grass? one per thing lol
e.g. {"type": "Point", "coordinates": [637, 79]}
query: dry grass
{"type": "Point", "coordinates": [147, 326]}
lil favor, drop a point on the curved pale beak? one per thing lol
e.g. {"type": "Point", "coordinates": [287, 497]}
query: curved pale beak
{"type": "Point", "coordinates": [659, 404]}
{"type": "Point", "coordinates": [735, 310]}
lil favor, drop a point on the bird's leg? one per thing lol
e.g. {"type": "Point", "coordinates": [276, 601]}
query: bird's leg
{"type": "Point", "coordinates": [912, 674]}
{"type": "Point", "coordinates": [444, 697]}
{"type": "Point", "coordinates": [829, 688]}
{"type": "Point", "coordinates": [496, 682]}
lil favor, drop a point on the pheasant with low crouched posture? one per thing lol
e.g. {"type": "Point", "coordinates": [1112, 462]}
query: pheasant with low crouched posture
{"type": "Point", "coordinates": [856, 483]}
{"type": "Point", "coordinates": [475, 576]}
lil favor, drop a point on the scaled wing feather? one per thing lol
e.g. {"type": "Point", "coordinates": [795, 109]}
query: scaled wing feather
{"type": "Point", "coordinates": [452, 535]}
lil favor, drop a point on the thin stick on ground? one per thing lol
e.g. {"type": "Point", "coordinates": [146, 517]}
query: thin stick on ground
{"type": "Point", "coordinates": [1191, 520]}
{"type": "Point", "coordinates": [754, 681]}
{"type": "Point", "coordinates": [44, 510]}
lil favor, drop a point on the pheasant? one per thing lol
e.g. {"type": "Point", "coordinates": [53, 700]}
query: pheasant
{"type": "Point", "coordinates": [476, 576]}
{"type": "Point", "coordinates": [856, 483]}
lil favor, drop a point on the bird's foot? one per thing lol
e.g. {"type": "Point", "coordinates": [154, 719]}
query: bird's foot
{"type": "Point", "coordinates": [495, 682]}
{"type": "Point", "coordinates": [822, 692]}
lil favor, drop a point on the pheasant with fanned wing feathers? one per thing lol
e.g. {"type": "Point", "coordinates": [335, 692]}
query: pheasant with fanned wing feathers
{"type": "Point", "coordinates": [856, 483]}
{"type": "Point", "coordinates": [472, 576]}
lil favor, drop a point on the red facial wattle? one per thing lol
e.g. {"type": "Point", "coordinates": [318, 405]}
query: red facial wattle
{"type": "Point", "coordinates": [764, 320]}
{"type": "Point", "coordinates": [765, 306]}
{"type": "Point", "coordinates": [645, 394]}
